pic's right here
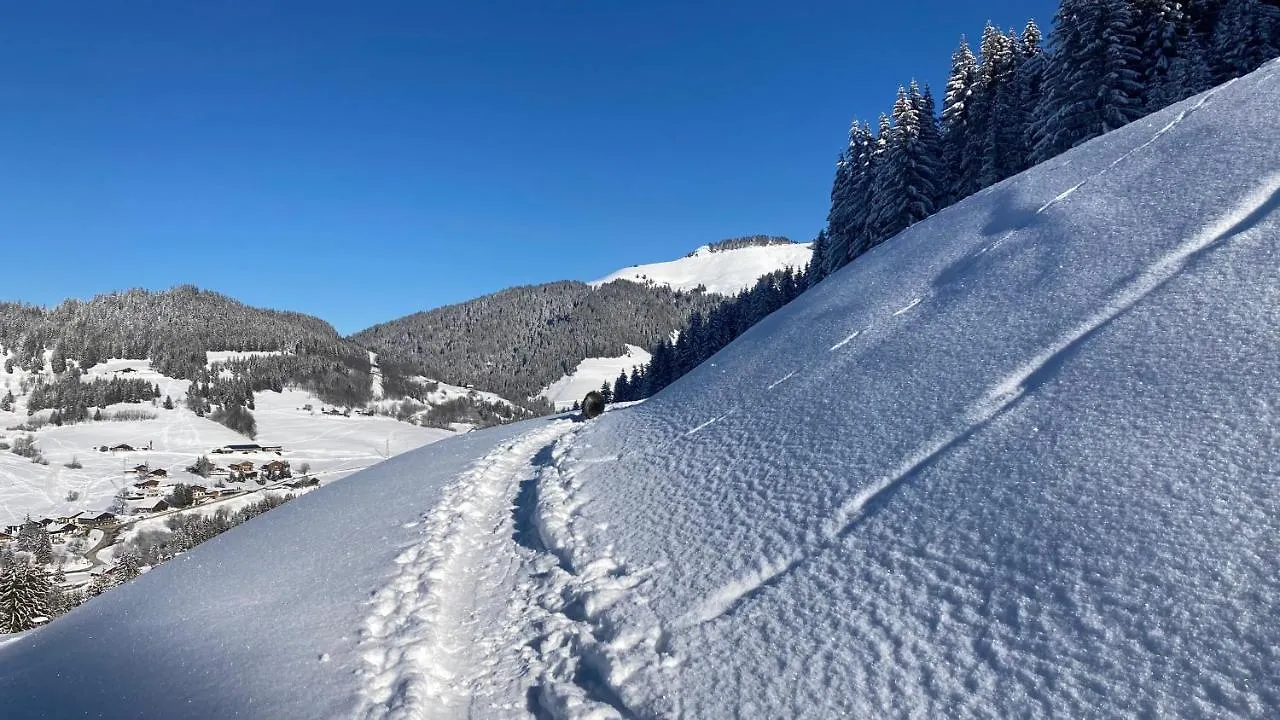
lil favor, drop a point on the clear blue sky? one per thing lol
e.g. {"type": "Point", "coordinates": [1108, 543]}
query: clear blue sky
{"type": "Point", "coordinates": [362, 161]}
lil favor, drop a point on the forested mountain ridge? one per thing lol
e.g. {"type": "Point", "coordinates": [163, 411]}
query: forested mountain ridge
{"type": "Point", "coordinates": [517, 341]}
{"type": "Point", "coordinates": [176, 329]}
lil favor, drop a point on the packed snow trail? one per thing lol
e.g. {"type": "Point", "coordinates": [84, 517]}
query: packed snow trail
{"type": "Point", "coordinates": [424, 641]}
{"type": "Point", "coordinates": [490, 614]}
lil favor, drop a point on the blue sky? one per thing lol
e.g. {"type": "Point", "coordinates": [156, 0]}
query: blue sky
{"type": "Point", "coordinates": [362, 161]}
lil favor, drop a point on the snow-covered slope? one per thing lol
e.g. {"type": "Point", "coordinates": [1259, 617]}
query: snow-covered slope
{"type": "Point", "coordinates": [590, 375]}
{"type": "Point", "coordinates": [1019, 461]}
{"type": "Point", "coordinates": [725, 272]}
{"type": "Point", "coordinates": [333, 447]}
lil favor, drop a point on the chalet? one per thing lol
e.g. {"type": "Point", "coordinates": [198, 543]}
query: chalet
{"type": "Point", "coordinates": [276, 470]}
{"type": "Point", "coordinates": [72, 518]}
{"type": "Point", "coordinates": [96, 519]}
{"type": "Point", "coordinates": [126, 371]}
{"type": "Point", "coordinates": [61, 529]}
{"type": "Point", "coordinates": [122, 448]}
{"type": "Point", "coordinates": [198, 492]}
{"type": "Point", "coordinates": [150, 506]}
{"type": "Point", "coordinates": [241, 467]}
{"type": "Point", "coordinates": [303, 482]}
{"type": "Point", "coordinates": [147, 484]}
{"type": "Point", "coordinates": [139, 469]}
{"type": "Point", "coordinates": [242, 448]}
{"type": "Point", "coordinates": [158, 473]}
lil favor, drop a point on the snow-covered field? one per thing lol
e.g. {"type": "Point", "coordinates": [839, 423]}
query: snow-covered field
{"type": "Point", "coordinates": [725, 273]}
{"type": "Point", "coordinates": [590, 375]}
{"type": "Point", "coordinates": [1019, 461]}
{"type": "Point", "coordinates": [332, 446]}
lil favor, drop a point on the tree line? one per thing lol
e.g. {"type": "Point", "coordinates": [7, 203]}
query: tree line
{"type": "Point", "coordinates": [1013, 105]}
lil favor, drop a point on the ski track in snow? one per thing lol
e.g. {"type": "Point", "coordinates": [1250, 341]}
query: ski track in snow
{"type": "Point", "coordinates": [1177, 120]}
{"type": "Point", "coordinates": [784, 379]}
{"type": "Point", "coordinates": [847, 340]}
{"type": "Point", "coordinates": [908, 306]}
{"type": "Point", "coordinates": [1248, 213]}
{"type": "Point", "coordinates": [715, 420]}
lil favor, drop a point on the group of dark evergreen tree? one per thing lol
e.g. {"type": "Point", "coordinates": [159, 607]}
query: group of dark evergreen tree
{"type": "Point", "coordinates": [1015, 104]}
{"type": "Point", "coordinates": [70, 397]}
{"type": "Point", "coordinates": [518, 341]}
{"type": "Point", "coordinates": [28, 591]}
{"type": "Point", "coordinates": [176, 329]}
{"type": "Point", "coordinates": [705, 335]}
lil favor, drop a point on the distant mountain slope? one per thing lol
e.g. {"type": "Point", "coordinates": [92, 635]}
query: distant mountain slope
{"type": "Point", "coordinates": [127, 324]}
{"type": "Point", "coordinates": [726, 270]}
{"type": "Point", "coordinates": [1017, 461]}
{"type": "Point", "coordinates": [518, 341]}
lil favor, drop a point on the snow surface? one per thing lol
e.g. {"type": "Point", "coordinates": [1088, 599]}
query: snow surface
{"type": "Point", "coordinates": [727, 272]}
{"type": "Point", "coordinates": [1019, 461]}
{"type": "Point", "coordinates": [590, 375]}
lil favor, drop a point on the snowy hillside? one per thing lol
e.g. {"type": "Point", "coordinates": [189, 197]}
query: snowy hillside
{"type": "Point", "coordinates": [1019, 461]}
{"type": "Point", "coordinates": [590, 375]}
{"type": "Point", "coordinates": [726, 272]}
{"type": "Point", "coordinates": [171, 439]}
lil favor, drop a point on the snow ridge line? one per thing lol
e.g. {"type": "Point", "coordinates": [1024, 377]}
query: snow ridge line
{"type": "Point", "coordinates": [591, 665]}
{"type": "Point", "coordinates": [1245, 216]}
{"type": "Point", "coordinates": [411, 645]}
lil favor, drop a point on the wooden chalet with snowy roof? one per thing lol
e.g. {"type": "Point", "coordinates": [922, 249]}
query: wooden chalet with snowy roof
{"type": "Point", "coordinates": [150, 506]}
{"type": "Point", "coordinates": [96, 520]}
{"type": "Point", "coordinates": [276, 470]}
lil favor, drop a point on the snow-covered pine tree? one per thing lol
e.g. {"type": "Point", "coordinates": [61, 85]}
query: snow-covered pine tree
{"type": "Point", "coordinates": [1092, 85]}
{"type": "Point", "coordinates": [1163, 32]}
{"type": "Point", "coordinates": [688, 352]}
{"type": "Point", "coordinates": [847, 235]}
{"type": "Point", "coordinates": [24, 594]}
{"type": "Point", "coordinates": [1189, 74]}
{"type": "Point", "coordinates": [838, 226]}
{"type": "Point", "coordinates": [888, 208]}
{"type": "Point", "coordinates": [34, 539]}
{"type": "Point", "coordinates": [1247, 34]}
{"type": "Point", "coordinates": [622, 388]}
{"type": "Point", "coordinates": [1002, 147]}
{"type": "Point", "coordinates": [960, 170]}
{"type": "Point", "coordinates": [1030, 86]}
{"type": "Point", "coordinates": [924, 185]}
{"type": "Point", "coordinates": [817, 261]}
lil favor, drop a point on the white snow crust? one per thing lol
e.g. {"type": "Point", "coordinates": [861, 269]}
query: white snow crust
{"type": "Point", "coordinates": [727, 272]}
{"type": "Point", "coordinates": [1019, 461]}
